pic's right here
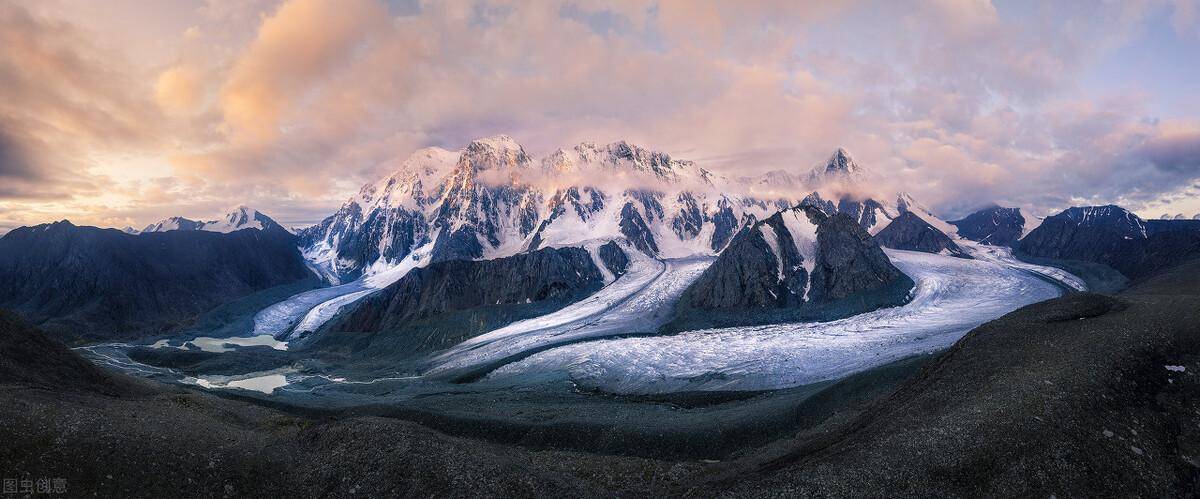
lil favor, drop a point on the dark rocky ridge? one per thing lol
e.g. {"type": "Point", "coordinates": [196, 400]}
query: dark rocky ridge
{"type": "Point", "coordinates": [850, 263]}
{"type": "Point", "coordinates": [1111, 236]}
{"type": "Point", "coordinates": [909, 232]}
{"type": "Point", "coordinates": [32, 358]}
{"type": "Point", "coordinates": [851, 274]}
{"type": "Point", "coordinates": [101, 284]}
{"type": "Point", "coordinates": [447, 302]}
{"type": "Point", "coordinates": [995, 226]}
{"type": "Point", "coordinates": [746, 275]}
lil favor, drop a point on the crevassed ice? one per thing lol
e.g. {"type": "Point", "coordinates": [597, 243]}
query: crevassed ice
{"type": "Point", "coordinates": [952, 296]}
{"type": "Point", "coordinates": [638, 301]}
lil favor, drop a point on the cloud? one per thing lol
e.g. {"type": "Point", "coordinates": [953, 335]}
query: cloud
{"type": "Point", "coordinates": [180, 89]}
{"type": "Point", "coordinates": [1175, 151]}
{"type": "Point", "coordinates": [290, 106]}
{"type": "Point", "coordinates": [60, 104]}
{"type": "Point", "coordinates": [303, 41]}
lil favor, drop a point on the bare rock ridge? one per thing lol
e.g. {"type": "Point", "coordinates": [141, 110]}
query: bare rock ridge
{"type": "Point", "coordinates": [1112, 236]}
{"type": "Point", "coordinates": [995, 226]}
{"type": "Point", "coordinates": [910, 232]}
{"type": "Point", "coordinates": [100, 284]}
{"type": "Point", "coordinates": [799, 264]}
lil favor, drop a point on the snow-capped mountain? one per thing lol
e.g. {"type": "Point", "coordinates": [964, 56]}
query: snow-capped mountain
{"type": "Point", "coordinates": [840, 167]}
{"type": "Point", "coordinates": [492, 199]}
{"type": "Point", "coordinates": [173, 223]}
{"type": "Point", "coordinates": [241, 217]}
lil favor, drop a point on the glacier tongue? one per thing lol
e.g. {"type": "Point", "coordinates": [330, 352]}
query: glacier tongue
{"type": "Point", "coordinates": [637, 302]}
{"type": "Point", "coordinates": [952, 296]}
{"type": "Point", "coordinates": [306, 312]}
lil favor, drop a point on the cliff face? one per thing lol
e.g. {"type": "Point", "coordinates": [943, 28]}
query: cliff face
{"type": "Point", "coordinates": [849, 262]}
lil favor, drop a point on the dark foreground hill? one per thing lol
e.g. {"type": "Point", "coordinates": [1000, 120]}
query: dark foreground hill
{"type": "Point", "coordinates": [99, 284]}
{"type": "Point", "coordinates": [1081, 396]}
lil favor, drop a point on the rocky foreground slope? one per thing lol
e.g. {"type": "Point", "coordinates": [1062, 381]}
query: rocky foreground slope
{"type": "Point", "coordinates": [1085, 395]}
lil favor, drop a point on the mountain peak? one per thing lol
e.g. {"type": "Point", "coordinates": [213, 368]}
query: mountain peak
{"type": "Point", "coordinates": [495, 152]}
{"type": "Point", "coordinates": [839, 166]}
{"type": "Point", "coordinates": [238, 218]}
{"type": "Point", "coordinates": [497, 142]}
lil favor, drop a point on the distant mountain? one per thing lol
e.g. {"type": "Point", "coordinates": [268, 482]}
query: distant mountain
{"type": "Point", "coordinates": [910, 232]}
{"type": "Point", "coordinates": [995, 226]}
{"type": "Point", "coordinates": [241, 217]}
{"type": "Point", "coordinates": [99, 284]}
{"type": "Point", "coordinates": [838, 168]}
{"type": "Point", "coordinates": [492, 199]}
{"type": "Point", "coordinates": [173, 223]}
{"type": "Point", "coordinates": [1115, 237]}
{"type": "Point", "coordinates": [130, 230]}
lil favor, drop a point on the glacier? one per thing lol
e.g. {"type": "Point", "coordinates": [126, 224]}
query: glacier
{"type": "Point", "coordinates": [951, 297]}
{"type": "Point", "coordinates": [637, 302]}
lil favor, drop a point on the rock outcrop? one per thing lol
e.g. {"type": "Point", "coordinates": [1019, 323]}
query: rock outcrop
{"type": "Point", "coordinates": [849, 263]}
{"type": "Point", "coordinates": [909, 232]}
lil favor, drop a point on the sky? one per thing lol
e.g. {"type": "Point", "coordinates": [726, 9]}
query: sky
{"type": "Point", "coordinates": [124, 112]}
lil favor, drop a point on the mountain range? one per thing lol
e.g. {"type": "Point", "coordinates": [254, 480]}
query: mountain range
{"type": "Point", "coordinates": [783, 246]}
{"type": "Point", "coordinates": [241, 217]}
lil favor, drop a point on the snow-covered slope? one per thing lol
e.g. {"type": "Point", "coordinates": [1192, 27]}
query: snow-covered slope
{"type": "Point", "coordinates": [491, 199]}
{"type": "Point", "coordinates": [241, 217]}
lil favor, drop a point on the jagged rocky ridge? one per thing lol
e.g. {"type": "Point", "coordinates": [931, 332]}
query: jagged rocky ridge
{"type": "Point", "coordinates": [447, 302]}
{"type": "Point", "coordinates": [910, 232]}
{"type": "Point", "coordinates": [101, 284]}
{"type": "Point", "coordinates": [1113, 236]}
{"type": "Point", "coordinates": [799, 264]}
{"type": "Point", "coordinates": [492, 199]}
{"type": "Point", "coordinates": [995, 226]}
